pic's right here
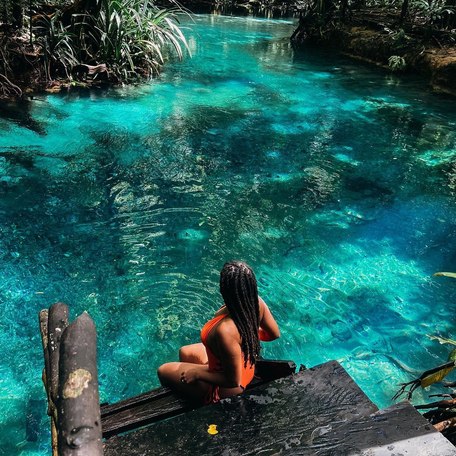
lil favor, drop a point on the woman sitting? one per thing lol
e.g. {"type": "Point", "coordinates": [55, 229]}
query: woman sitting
{"type": "Point", "coordinates": [224, 363]}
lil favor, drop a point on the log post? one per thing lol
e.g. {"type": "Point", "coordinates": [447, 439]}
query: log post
{"type": "Point", "coordinates": [44, 317]}
{"type": "Point", "coordinates": [57, 322]}
{"type": "Point", "coordinates": [79, 421]}
{"type": "Point", "coordinates": [52, 324]}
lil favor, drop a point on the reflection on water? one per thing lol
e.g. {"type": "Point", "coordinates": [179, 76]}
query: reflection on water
{"type": "Point", "coordinates": [335, 182]}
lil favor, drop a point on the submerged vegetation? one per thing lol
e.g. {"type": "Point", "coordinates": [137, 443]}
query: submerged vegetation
{"type": "Point", "coordinates": [114, 40]}
{"type": "Point", "coordinates": [441, 413]}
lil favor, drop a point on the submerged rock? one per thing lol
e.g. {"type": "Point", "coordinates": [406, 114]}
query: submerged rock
{"type": "Point", "coordinates": [191, 234]}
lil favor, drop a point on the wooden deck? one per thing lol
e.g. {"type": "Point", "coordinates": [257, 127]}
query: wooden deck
{"type": "Point", "coordinates": [162, 403]}
{"type": "Point", "coordinates": [320, 411]}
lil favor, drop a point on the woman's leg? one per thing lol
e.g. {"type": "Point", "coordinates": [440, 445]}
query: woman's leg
{"type": "Point", "coordinates": [170, 375]}
{"type": "Point", "coordinates": [194, 353]}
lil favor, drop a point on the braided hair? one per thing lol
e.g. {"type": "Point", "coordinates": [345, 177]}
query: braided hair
{"type": "Point", "coordinates": [239, 290]}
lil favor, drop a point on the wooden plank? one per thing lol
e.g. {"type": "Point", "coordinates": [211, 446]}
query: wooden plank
{"type": "Point", "coordinates": [144, 414]}
{"type": "Point", "coordinates": [397, 430]}
{"type": "Point", "coordinates": [163, 403]}
{"type": "Point", "coordinates": [280, 417]}
{"type": "Point", "coordinates": [110, 409]}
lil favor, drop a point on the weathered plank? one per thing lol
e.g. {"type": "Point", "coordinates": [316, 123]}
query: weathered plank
{"type": "Point", "coordinates": [111, 409]}
{"type": "Point", "coordinates": [144, 414]}
{"type": "Point", "coordinates": [396, 430]}
{"type": "Point", "coordinates": [279, 417]}
{"type": "Point", "coordinates": [46, 376]}
{"type": "Point", "coordinates": [57, 322]}
{"type": "Point", "coordinates": [163, 403]}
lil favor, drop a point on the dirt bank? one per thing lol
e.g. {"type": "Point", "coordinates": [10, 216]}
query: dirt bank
{"type": "Point", "coordinates": [436, 63]}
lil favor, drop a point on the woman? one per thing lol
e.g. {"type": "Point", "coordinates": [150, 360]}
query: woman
{"type": "Point", "coordinates": [223, 364]}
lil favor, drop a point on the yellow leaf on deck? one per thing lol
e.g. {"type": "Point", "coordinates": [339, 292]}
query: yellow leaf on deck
{"type": "Point", "coordinates": [212, 429]}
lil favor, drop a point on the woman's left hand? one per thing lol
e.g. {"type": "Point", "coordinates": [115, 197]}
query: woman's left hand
{"type": "Point", "coordinates": [189, 376]}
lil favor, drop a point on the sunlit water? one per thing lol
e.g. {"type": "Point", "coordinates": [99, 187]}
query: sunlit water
{"type": "Point", "coordinates": [335, 181]}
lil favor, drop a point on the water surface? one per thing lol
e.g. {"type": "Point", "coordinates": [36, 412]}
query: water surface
{"type": "Point", "coordinates": [335, 181]}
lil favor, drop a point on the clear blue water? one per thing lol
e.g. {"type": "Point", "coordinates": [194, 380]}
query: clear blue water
{"type": "Point", "coordinates": [335, 181]}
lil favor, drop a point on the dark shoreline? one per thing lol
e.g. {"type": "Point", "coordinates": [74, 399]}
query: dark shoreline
{"type": "Point", "coordinates": [437, 65]}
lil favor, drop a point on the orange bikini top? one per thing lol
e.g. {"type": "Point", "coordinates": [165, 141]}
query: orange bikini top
{"type": "Point", "coordinates": [214, 363]}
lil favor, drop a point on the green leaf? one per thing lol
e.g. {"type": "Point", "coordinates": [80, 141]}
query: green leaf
{"type": "Point", "coordinates": [452, 355]}
{"type": "Point", "coordinates": [443, 340]}
{"type": "Point", "coordinates": [445, 274]}
{"type": "Point", "coordinates": [436, 377]}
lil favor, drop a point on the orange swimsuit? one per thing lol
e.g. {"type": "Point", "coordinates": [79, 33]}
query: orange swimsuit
{"type": "Point", "coordinates": [215, 365]}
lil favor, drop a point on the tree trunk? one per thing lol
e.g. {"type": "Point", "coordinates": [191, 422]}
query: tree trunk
{"type": "Point", "coordinates": [404, 11]}
{"type": "Point", "coordinates": [343, 9]}
{"type": "Point", "coordinates": [79, 420]}
{"type": "Point", "coordinates": [17, 14]}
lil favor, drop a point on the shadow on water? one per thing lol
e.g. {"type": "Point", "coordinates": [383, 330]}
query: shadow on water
{"type": "Point", "coordinates": [18, 112]}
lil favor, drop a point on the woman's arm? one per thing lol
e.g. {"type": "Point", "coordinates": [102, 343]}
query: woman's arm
{"type": "Point", "coordinates": [269, 329]}
{"type": "Point", "coordinates": [203, 373]}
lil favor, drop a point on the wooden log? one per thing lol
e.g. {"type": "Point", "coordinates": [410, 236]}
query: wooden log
{"type": "Point", "coordinates": [57, 322]}
{"type": "Point", "coordinates": [444, 425]}
{"type": "Point", "coordinates": [43, 319]}
{"type": "Point", "coordinates": [51, 410]}
{"type": "Point", "coordinates": [450, 403]}
{"type": "Point", "coordinates": [79, 420]}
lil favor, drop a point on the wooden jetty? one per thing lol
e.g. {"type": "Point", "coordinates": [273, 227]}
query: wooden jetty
{"type": "Point", "coordinates": [315, 412]}
{"type": "Point", "coordinates": [162, 403]}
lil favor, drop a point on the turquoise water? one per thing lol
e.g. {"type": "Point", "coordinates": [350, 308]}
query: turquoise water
{"type": "Point", "coordinates": [335, 181]}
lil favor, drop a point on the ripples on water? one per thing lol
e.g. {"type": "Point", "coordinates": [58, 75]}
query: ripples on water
{"type": "Point", "coordinates": [334, 181]}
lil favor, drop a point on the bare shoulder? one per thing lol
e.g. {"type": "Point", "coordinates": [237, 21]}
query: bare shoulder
{"type": "Point", "coordinates": [262, 305]}
{"type": "Point", "coordinates": [227, 329]}
{"type": "Point", "coordinates": [227, 336]}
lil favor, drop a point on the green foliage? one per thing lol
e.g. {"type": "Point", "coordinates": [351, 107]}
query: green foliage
{"type": "Point", "coordinates": [433, 14]}
{"type": "Point", "coordinates": [442, 340]}
{"type": "Point", "coordinates": [445, 274]}
{"type": "Point", "coordinates": [431, 11]}
{"type": "Point", "coordinates": [132, 37]}
{"type": "Point", "coordinates": [397, 63]}
{"type": "Point", "coordinates": [11, 12]}
{"type": "Point", "coordinates": [58, 46]}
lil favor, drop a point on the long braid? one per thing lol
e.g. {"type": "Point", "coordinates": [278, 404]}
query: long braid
{"type": "Point", "coordinates": [239, 290]}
